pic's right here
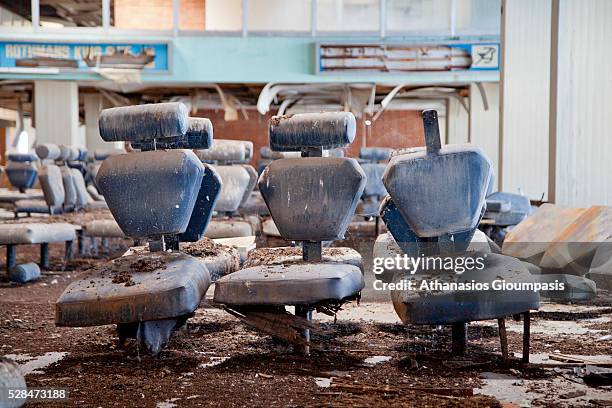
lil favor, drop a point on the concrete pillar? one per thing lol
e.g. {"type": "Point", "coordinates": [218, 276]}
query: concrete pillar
{"type": "Point", "coordinates": [457, 117]}
{"type": "Point", "coordinates": [484, 124]}
{"type": "Point", "coordinates": [93, 106]}
{"type": "Point", "coordinates": [581, 102]}
{"type": "Point", "coordinates": [524, 95]}
{"type": "Point", "coordinates": [56, 112]}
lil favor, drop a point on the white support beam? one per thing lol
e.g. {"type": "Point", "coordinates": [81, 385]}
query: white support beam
{"type": "Point", "coordinates": [245, 17]}
{"type": "Point", "coordinates": [56, 109]}
{"type": "Point", "coordinates": [313, 18]}
{"type": "Point", "coordinates": [35, 4]}
{"type": "Point", "coordinates": [453, 18]}
{"type": "Point", "coordinates": [106, 17]}
{"type": "Point", "coordinates": [383, 18]}
{"type": "Point", "coordinates": [176, 17]}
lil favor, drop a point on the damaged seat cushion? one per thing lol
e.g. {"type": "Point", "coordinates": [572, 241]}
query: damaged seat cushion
{"type": "Point", "coordinates": [293, 255]}
{"type": "Point", "coordinates": [36, 233]}
{"type": "Point", "coordinates": [297, 284]}
{"type": "Point", "coordinates": [134, 288]}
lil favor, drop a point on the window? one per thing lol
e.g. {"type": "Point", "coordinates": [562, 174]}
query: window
{"type": "Point", "coordinates": [142, 14]}
{"type": "Point", "coordinates": [478, 17]}
{"type": "Point", "coordinates": [70, 13]}
{"type": "Point", "coordinates": [419, 16]}
{"type": "Point", "coordinates": [223, 15]}
{"type": "Point", "coordinates": [348, 15]}
{"type": "Point", "coordinates": [279, 15]}
{"type": "Point", "coordinates": [16, 14]}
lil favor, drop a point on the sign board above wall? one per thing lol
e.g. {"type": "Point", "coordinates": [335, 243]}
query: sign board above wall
{"type": "Point", "coordinates": [401, 58]}
{"type": "Point", "coordinates": [85, 56]}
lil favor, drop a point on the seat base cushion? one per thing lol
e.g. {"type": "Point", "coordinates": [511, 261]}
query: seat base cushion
{"type": "Point", "coordinates": [32, 206]}
{"type": "Point", "coordinates": [220, 260]}
{"type": "Point", "coordinates": [134, 288]}
{"type": "Point", "coordinates": [576, 287]}
{"type": "Point", "coordinates": [96, 205]}
{"type": "Point", "coordinates": [103, 228]}
{"type": "Point", "coordinates": [36, 233]}
{"type": "Point", "coordinates": [297, 284]}
{"type": "Point", "coordinates": [386, 247]}
{"type": "Point", "coordinates": [11, 196]}
{"type": "Point", "coordinates": [228, 228]}
{"type": "Point", "coordinates": [434, 307]}
{"type": "Point", "coordinates": [293, 255]}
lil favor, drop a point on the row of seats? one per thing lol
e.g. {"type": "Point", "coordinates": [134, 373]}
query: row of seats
{"type": "Point", "coordinates": [436, 199]}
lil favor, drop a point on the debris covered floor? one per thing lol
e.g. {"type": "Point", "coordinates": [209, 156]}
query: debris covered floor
{"type": "Point", "coordinates": [366, 357]}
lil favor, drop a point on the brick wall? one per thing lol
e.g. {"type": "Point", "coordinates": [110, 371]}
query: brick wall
{"type": "Point", "coordinates": [393, 129]}
{"type": "Point", "coordinates": [157, 14]}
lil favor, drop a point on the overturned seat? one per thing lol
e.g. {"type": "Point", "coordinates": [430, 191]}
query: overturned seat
{"type": "Point", "coordinates": [436, 201]}
{"type": "Point", "coordinates": [311, 199]}
{"type": "Point", "coordinates": [164, 197]}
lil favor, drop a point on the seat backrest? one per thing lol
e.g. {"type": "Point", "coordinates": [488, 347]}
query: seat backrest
{"type": "Point", "coordinates": [225, 152]}
{"type": "Point", "coordinates": [230, 158]}
{"type": "Point", "coordinates": [21, 170]}
{"type": "Point", "coordinates": [50, 177]}
{"type": "Point", "coordinates": [438, 190]}
{"type": "Point", "coordinates": [312, 198]}
{"type": "Point", "coordinates": [374, 186]}
{"type": "Point", "coordinates": [375, 154]}
{"type": "Point", "coordinates": [163, 195]}
{"type": "Point", "coordinates": [82, 195]}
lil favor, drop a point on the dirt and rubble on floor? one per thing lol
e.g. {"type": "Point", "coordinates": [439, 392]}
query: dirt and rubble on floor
{"type": "Point", "coordinates": [366, 358]}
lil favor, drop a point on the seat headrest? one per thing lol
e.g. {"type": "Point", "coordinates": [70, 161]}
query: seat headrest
{"type": "Point", "coordinates": [290, 133]}
{"type": "Point", "coordinates": [21, 157]}
{"type": "Point", "coordinates": [266, 153]}
{"type": "Point", "coordinates": [227, 151]}
{"type": "Point", "coordinates": [375, 154]}
{"type": "Point", "coordinates": [142, 123]}
{"type": "Point", "coordinates": [82, 154]}
{"type": "Point", "coordinates": [48, 151]}
{"type": "Point", "coordinates": [236, 181]}
{"type": "Point", "coordinates": [75, 153]}
{"type": "Point", "coordinates": [199, 135]}
{"type": "Point", "coordinates": [65, 152]}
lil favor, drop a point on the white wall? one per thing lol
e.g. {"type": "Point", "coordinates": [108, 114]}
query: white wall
{"type": "Point", "coordinates": [484, 125]}
{"type": "Point", "coordinates": [56, 112]}
{"type": "Point", "coordinates": [525, 88]}
{"type": "Point", "coordinates": [583, 105]}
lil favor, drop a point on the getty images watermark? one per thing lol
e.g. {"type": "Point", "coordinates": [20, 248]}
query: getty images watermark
{"type": "Point", "coordinates": [450, 273]}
